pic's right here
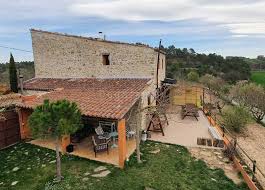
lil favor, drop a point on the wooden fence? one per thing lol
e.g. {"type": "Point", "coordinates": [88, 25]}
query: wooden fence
{"type": "Point", "coordinates": [9, 129]}
{"type": "Point", "coordinates": [249, 171]}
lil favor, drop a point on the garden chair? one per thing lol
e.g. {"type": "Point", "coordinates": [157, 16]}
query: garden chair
{"type": "Point", "coordinates": [101, 134]}
{"type": "Point", "coordinates": [129, 133]}
{"type": "Point", "coordinates": [100, 145]}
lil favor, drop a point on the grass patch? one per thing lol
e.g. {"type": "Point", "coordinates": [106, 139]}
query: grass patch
{"type": "Point", "coordinates": [171, 168]}
{"type": "Point", "coordinates": [258, 77]}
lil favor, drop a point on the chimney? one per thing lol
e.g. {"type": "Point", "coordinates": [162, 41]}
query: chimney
{"type": "Point", "coordinates": [102, 36]}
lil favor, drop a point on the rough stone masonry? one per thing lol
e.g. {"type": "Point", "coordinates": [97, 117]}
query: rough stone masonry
{"type": "Point", "coordinates": [66, 56]}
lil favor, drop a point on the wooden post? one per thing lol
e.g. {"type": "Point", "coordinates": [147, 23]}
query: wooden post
{"type": "Point", "coordinates": [223, 129]}
{"type": "Point", "coordinates": [235, 142]}
{"type": "Point", "coordinates": [23, 115]}
{"type": "Point", "coordinates": [122, 142]}
{"type": "Point", "coordinates": [254, 169]}
{"type": "Point", "coordinates": [203, 98]}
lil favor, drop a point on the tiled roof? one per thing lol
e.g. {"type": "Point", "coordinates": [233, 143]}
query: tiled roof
{"type": "Point", "coordinates": [85, 83]}
{"type": "Point", "coordinates": [9, 100]}
{"type": "Point", "coordinates": [104, 98]}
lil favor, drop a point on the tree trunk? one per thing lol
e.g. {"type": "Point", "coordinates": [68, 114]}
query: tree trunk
{"type": "Point", "coordinates": [138, 128]}
{"type": "Point", "coordinates": [58, 161]}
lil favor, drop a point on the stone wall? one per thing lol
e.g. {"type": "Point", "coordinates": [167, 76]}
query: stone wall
{"type": "Point", "coordinates": [65, 56]}
{"type": "Point", "coordinates": [137, 114]}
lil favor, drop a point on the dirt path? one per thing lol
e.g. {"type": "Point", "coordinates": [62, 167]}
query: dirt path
{"type": "Point", "coordinates": [252, 142]}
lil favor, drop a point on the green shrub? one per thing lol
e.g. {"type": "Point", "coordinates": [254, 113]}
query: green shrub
{"type": "Point", "coordinates": [235, 118]}
{"type": "Point", "coordinates": [193, 76]}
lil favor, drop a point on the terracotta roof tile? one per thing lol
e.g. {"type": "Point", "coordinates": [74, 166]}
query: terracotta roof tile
{"type": "Point", "coordinates": [9, 100]}
{"type": "Point", "coordinates": [85, 83]}
{"type": "Point", "coordinates": [104, 98]}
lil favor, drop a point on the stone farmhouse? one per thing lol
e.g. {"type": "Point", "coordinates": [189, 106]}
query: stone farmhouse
{"type": "Point", "coordinates": [110, 81]}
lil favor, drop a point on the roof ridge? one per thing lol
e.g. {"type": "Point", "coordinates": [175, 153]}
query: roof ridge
{"type": "Point", "coordinates": [95, 78]}
{"type": "Point", "coordinates": [96, 39]}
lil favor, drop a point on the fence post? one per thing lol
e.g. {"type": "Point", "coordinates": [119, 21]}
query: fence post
{"type": "Point", "coordinates": [223, 128]}
{"type": "Point", "coordinates": [254, 169]}
{"type": "Point", "coordinates": [215, 117]}
{"type": "Point", "coordinates": [235, 142]}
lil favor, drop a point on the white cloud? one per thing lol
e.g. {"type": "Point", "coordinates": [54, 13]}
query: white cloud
{"type": "Point", "coordinates": [239, 36]}
{"type": "Point", "coordinates": [239, 17]}
{"type": "Point", "coordinates": [247, 28]}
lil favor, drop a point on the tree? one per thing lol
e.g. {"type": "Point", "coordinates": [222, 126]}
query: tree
{"type": "Point", "coordinates": [54, 120]}
{"type": "Point", "coordinates": [193, 76]}
{"type": "Point", "coordinates": [219, 88]}
{"type": "Point", "coordinates": [215, 84]}
{"type": "Point", "coordinates": [252, 97]}
{"type": "Point", "coordinates": [235, 118]}
{"type": "Point", "coordinates": [13, 74]}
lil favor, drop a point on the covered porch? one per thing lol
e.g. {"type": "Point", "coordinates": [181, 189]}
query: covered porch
{"type": "Point", "coordinates": [84, 149]}
{"type": "Point", "coordinates": [106, 106]}
{"type": "Point", "coordinates": [120, 147]}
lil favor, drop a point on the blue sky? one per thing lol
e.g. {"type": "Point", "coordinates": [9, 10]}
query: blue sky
{"type": "Point", "coordinates": [225, 27]}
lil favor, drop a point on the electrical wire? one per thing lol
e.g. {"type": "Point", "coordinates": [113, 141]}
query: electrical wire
{"type": "Point", "coordinates": [17, 49]}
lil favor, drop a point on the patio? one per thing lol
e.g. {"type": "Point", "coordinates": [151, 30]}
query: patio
{"type": "Point", "coordinates": [84, 149]}
{"type": "Point", "coordinates": [183, 131]}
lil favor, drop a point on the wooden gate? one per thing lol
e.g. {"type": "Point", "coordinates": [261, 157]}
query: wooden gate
{"type": "Point", "coordinates": [9, 129]}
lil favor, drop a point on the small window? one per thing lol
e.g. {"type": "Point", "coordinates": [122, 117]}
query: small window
{"type": "Point", "coordinates": [162, 63]}
{"type": "Point", "coordinates": [106, 59]}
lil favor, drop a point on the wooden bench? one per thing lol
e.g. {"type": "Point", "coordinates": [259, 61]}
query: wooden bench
{"type": "Point", "coordinates": [217, 139]}
{"type": "Point", "coordinates": [189, 110]}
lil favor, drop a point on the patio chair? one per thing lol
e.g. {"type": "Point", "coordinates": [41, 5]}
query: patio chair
{"type": "Point", "coordinates": [100, 145]}
{"type": "Point", "coordinates": [129, 133]}
{"type": "Point", "coordinates": [101, 134]}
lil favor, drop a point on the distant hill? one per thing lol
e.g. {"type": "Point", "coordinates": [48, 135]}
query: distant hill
{"type": "Point", "coordinates": [256, 64]}
{"type": "Point", "coordinates": [231, 68]}
{"type": "Point", "coordinates": [26, 69]}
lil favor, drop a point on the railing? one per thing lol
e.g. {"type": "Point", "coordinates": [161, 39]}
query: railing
{"type": "Point", "coordinates": [241, 158]}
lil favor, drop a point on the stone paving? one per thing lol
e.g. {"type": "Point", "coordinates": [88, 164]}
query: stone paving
{"type": "Point", "coordinates": [98, 172]}
{"type": "Point", "coordinates": [183, 131]}
{"type": "Point", "coordinates": [214, 158]}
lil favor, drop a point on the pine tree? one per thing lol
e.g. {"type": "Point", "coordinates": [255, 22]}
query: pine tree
{"type": "Point", "coordinates": [13, 74]}
{"type": "Point", "coordinates": [53, 120]}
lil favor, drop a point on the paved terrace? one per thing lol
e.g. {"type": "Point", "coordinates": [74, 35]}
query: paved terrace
{"type": "Point", "coordinates": [183, 132]}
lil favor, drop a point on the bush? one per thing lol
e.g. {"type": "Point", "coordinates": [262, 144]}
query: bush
{"type": "Point", "coordinates": [235, 118]}
{"type": "Point", "coordinates": [252, 97]}
{"type": "Point", "coordinates": [193, 76]}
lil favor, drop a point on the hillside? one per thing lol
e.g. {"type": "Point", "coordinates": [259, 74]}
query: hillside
{"type": "Point", "coordinates": [26, 68]}
{"type": "Point", "coordinates": [181, 61]}
{"type": "Point", "coordinates": [258, 77]}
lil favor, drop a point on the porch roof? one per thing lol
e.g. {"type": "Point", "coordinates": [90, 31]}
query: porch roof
{"type": "Point", "coordinates": [47, 84]}
{"type": "Point", "coordinates": [104, 98]}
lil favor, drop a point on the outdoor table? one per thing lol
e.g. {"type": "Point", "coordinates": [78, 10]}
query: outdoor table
{"type": "Point", "coordinates": [114, 135]}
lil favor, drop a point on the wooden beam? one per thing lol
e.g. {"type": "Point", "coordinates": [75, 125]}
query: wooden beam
{"type": "Point", "coordinates": [23, 115]}
{"type": "Point", "coordinates": [122, 142]}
